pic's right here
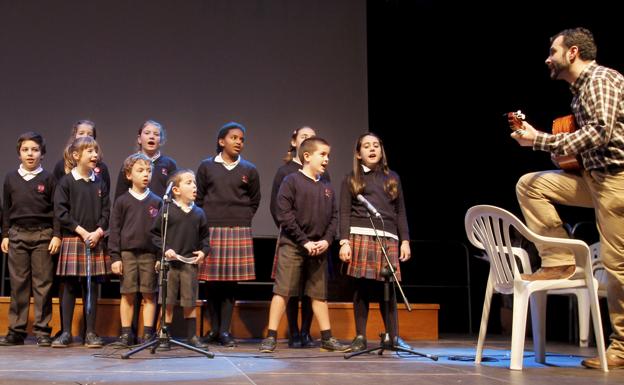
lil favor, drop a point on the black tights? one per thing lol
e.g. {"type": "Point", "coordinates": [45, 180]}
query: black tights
{"type": "Point", "coordinates": [72, 286]}
{"type": "Point", "coordinates": [292, 315]}
{"type": "Point", "coordinates": [367, 290]}
{"type": "Point", "coordinates": [220, 301]}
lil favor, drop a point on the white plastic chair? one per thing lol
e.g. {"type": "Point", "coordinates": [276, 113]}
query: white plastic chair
{"type": "Point", "coordinates": [582, 294]}
{"type": "Point", "coordinates": [488, 228]}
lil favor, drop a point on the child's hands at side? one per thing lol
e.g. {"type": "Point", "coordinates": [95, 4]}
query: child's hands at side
{"type": "Point", "coordinates": [117, 267]}
{"type": "Point", "coordinates": [405, 253]}
{"type": "Point", "coordinates": [55, 245]}
{"type": "Point", "coordinates": [345, 252]}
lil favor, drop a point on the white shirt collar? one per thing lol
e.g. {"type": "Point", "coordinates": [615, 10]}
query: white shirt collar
{"type": "Point", "coordinates": [308, 176]}
{"type": "Point", "coordinates": [185, 209]}
{"type": "Point", "coordinates": [229, 166]}
{"type": "Point", "coordinates": [366, 169]}
{"type": "Point", "coordinates": [153, 158]}
{"type": "Point", "coordinates": [77, 175]}
{"type": "Point", "coordinates": [139, 196]}
{"type": "Point", "coordinates": [296, 160]}
{"type": "Point", "coordinates": [28, 175]}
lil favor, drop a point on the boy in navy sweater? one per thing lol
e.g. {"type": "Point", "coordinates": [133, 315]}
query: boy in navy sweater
{"type": "Point", "coordinates": [30, 233]}
{"type": "Point", "coordinates": [131, 248]}
{"type": "Point", "coordinates": [187, 244]}
{"type": "Point", "coordinates": [307, 214]}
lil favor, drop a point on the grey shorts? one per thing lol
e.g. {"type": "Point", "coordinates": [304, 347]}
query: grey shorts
{"type": "Point", "coordinates": [139, 274]}
{"type": "Point", "coordinates": [182, 284]}
{"type": "Point", "coordinates": [296, 269]}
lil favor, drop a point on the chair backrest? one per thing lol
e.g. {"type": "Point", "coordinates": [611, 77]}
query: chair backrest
{"type": "Point", "coordinates": [488, 228]}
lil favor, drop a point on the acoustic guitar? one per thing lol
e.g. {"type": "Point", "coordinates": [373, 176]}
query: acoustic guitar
{"type": "Point", "coordinates": [563, 124]}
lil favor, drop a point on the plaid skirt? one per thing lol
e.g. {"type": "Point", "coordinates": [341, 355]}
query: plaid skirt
{"type": "Point", "coordinates": [73, 259]}
{"type": "Point", "coordinates": [367, 258]}
{"type": "Point", "coordinates": [231, 256]}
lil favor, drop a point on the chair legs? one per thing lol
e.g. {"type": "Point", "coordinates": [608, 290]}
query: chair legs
{"type": "Point", "coordinates": [520, 307]}
{"type": "Point", "coordinates": [538, 321]}
{"type": "Point", "coordinates": [582, 301]}
{"type": "Point", "coordinates": [489, 291]}
{"type": "Point", "coordinates": [597, 319]}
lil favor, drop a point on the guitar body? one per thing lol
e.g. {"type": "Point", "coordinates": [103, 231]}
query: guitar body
{"type": "Point", "coordinates": [565, 124]}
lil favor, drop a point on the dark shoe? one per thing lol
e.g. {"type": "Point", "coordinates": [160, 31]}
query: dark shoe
{"type": "Point", "coordinates": [613, 362]}
{"type": "Point", "coordinates": [333, 345]}
{"type": "Point", "coordinates": [196, 342]}
{"type": "Point", "coordinates": [211, 336]}
{"type": "Point", "coordinates": [294, 340]}
{"type": "Point", "coordinates": [358, 344]}
{"type": "Point", "coordinates": [126, 339]}
{"type": "Point", "coordinates": [92, 340]}
{"type": "Point", "coordinates": [44, 341]}
{"type": "Point", "coordinates": [268, 345]}
{"type": "Point", "coordinates": [62, 341]}
{"type": "Point", "coordinates": [307, 341]}
{"type": "Point", "coordinates": [554, 272]}
{"type": "Point", "coordinates": [398, 342]}
{"type": "Point", "coordinates": [11, 339]}
{"type": "Point", "coordinates": [148, 337]}
{"type": "Point", "coordinates": [227, 340]}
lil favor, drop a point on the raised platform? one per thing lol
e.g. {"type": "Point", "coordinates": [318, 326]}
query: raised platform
{"type": "Point", "coordinates": [250, 319]}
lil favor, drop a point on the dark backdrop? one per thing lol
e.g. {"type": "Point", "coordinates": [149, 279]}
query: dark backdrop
{"type": "Point", "coordinates": [441, 76]}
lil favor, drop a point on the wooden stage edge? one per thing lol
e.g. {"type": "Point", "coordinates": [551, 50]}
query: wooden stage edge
{"type": "Point", "coordinates": [250, 319]}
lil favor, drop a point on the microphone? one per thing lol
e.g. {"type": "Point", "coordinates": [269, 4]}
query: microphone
{"type": "Point", "coordinates": [168, 191]}
{"type": "Point", "coordinates": [370, 207]}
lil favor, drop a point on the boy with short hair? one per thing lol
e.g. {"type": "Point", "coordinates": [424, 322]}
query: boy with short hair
{"type": "Point", "coordinates": [131, 248]}
{"type": "Point", "coordinates": [30, 233]}
{"type": "Point", "coordinates": [186, 246]}
{"type": "Point", "coordinates": [307, 214]}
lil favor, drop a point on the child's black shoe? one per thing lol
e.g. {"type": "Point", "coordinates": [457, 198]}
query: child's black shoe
{"type": "Point", "coordinates": [268, 345]}
{"type": "Point", "coordinates": [333, 345]}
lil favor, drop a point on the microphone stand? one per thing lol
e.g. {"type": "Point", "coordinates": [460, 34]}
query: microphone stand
{"type": "Point", "coordinates": [164, 337]}
{"type": "Point", "coordinates": [387, 342]}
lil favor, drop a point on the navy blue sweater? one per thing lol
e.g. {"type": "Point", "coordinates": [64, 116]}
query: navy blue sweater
{"type": "Point", "coordinates": [29, 203]}
{"type": "Point", "coordinates": [306, 209]}
{"type": "Point", "coordinates": [228, 197]}
{"type": "Point", "coordinates": [186, 232]}
{"type": "Point", "coordinates": [354, 213]}
{"type": "Point", "coordinates": [286, 169]}
{"type": "Point", "coordinates": [81, 203]}
{"type": "Point", "coordinates": [131, 223]}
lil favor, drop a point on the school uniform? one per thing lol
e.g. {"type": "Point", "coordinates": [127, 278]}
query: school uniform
{"type": "Point", "coordinates": [101, 170]}
{"type": "Point", "coordinates": [366, 255]}
{"type": "Point", "coordinates": [29, 223]}
{"type": "Point", "coordinates": [367, 258]}
{"type": "Point", "coordinates": [162, 168]}
{"type": "Point", "coordinates": [306, 212]}
{"type": "Point", "coordinates": [130, 240]}
{"type": "Point", "coordinates": [85, 203]}
{"type": "Point", "coordinates": [286, 169]}
{"type": "Point", "coordinates": [230, 196]}
{"type": "Point", "coordinates": [187, 231]}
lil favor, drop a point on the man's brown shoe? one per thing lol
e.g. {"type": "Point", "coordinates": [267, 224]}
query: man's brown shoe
{"type": "Point", "coordinates": [554, 272]}
{"type": "Point", "coordinates": [613, 362]}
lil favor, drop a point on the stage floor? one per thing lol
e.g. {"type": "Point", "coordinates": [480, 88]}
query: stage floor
{"type": "Point", "coordinates": [30, 364]}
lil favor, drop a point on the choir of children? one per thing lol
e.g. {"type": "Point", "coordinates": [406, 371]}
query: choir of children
{"type": "Point", "coordinates": [208, 235]}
